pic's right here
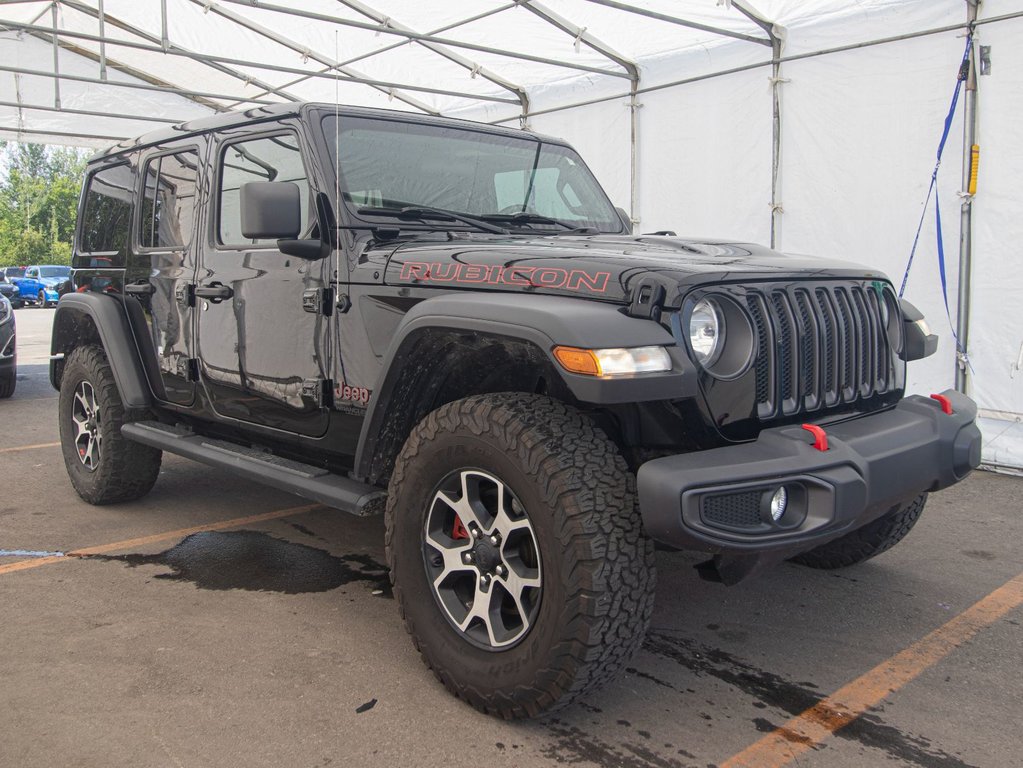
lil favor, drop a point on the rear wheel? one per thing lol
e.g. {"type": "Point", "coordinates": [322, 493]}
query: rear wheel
{"type": "Point", "coordinates": [866, 542]}
{"type": "Point", "coordinates": [517, 553]}
{"type": "Point", "coordinates": [8, 382]}
{"type": "Point", "coordinates": [104, 467]}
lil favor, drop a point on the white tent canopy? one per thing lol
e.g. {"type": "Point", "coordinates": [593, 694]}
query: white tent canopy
{"type": "Point", "coordinates": [807, 124]}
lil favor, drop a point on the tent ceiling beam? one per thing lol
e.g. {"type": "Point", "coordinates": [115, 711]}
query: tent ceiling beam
{"type": "Point", "coordinates": [168, 47]}
{"type": "Point", "coordinates": [89, 112]}
{"type": "Point", "coordinates": [392, 46]}
{"type": "Point", "coordinates": [472, 67]}
{"type": "Point", "coordinates": [682, 22]}
{"type": "Point", "coordinates": [208, 58]}
{"type": "Point", "coordinates": [391, 90]}
{"type": "Point", "coordinates": [259, 4]}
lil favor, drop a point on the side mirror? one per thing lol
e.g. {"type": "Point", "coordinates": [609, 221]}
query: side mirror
{"type": "Point", "coordinates": [271, 210]}
{"type": "Point", "coordinates": [917, 340]}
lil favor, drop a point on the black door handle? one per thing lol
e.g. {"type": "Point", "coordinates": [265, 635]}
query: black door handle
{"type": "Point", "coordinates": [215, 292]}
{"type": "Point", "coordinates": [140, 289]}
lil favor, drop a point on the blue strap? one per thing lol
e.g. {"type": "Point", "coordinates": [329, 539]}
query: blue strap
{"type": "Point", "coordinates": [933, 190]}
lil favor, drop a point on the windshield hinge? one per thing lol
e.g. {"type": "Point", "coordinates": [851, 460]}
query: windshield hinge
{"type": "Point", "coordinates": [319, 392]}
{"type": "Point", "coordinates": [647, 300]}
{"type": "Point", "coordinates": [319, 301]}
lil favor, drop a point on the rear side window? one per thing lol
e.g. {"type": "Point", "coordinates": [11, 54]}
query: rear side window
{"type": "Point", "coordinates": [106, 217]}
{"type": "Point", "coordinates": [168, 204]}
{"type": "Point", "coordinates": [273, 158]}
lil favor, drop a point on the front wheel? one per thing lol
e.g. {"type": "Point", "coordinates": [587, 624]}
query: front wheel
{"type": "Point", "coordinates": [866, 542]}
{"type": "Point", "coordinates": [104, 467]}
{"type": "Point", "coordinates": [517, 552]}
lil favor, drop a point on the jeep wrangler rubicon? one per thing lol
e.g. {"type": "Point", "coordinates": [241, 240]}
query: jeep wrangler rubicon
{"type": "Point", "coordinates": [450, 323]}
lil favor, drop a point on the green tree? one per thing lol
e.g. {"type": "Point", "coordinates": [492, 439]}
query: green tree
{"type": "Point", "coordinates": [39, 189]}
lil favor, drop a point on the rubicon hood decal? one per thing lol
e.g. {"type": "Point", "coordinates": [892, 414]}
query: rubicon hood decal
{"type": "Point", "coordinates": [534, 277]}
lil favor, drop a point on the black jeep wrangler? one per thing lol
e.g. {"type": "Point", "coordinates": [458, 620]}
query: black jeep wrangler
{"type": "Point", "coordinates": [451, 324]}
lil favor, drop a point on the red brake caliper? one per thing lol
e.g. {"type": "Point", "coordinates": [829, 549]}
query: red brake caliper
{"type": "Point", "coordinates": [458, 530]}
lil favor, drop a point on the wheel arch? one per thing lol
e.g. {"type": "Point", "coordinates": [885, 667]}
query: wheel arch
{"type": "Point", "coordinates": [458, 345]}
{"type": "Point", "coordinates": [84, 318]}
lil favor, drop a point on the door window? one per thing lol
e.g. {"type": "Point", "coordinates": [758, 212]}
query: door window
{"type": "Point", "coordinates": [168, 205]}
{"type": "Point", "coordinates": [272, 158]}
{"type": "Point", "coordinates": [106, 217]}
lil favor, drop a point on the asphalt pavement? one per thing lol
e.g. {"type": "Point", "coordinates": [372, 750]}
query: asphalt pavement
{"type": "Point", "coordinates": [219, 623]}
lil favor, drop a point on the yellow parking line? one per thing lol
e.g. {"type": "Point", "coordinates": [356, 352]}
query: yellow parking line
{"type": "Point", "coordinates": [805, 731]}
{"type": "Point", "coordinates": [29, 447]}
{"type": "Point", "coordinates": [156, 537]}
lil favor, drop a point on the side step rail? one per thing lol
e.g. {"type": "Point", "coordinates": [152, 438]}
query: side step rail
{"type": "Point", "coordinates": [314, 483]}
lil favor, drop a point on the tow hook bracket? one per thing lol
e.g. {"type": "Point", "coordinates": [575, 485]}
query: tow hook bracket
{"type": "Point", "coordinates": [945, 403]}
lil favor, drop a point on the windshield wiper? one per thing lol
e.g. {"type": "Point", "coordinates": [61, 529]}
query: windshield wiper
{"type": "Point", "coordinates": [525, 217]}
{"type": "Point", "coordinates": [424, 213]}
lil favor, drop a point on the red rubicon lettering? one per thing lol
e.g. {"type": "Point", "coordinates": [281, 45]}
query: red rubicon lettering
{"type": "Point", "coordinates": [536, 277]}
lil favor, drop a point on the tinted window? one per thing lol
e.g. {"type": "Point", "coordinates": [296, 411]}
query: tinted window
{"type": "Point", "coordinates": [15, 272]}
{"type": "Point", "coordinates": [275, 158]}
{"type": "Point", "coordinates": [107, 214]}
{"type": "Point", "coordinates": [54, 271]}
{"type": "Point", "coordinates": [168, 204]}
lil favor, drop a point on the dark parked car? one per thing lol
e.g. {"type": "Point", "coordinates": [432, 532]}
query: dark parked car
{"type": "Point", "coordinates": [451, 323]}
{"type": "Point", "coordinates": [8, 349]}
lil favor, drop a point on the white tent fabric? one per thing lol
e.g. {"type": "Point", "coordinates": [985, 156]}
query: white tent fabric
{"type": "Point", "coordinates": [858, 128]}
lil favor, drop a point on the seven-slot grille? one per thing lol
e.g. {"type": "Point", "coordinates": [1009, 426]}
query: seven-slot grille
{"type": "Point", "coordinates": [818, 346]}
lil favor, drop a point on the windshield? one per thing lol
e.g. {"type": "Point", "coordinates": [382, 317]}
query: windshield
{"type": "Point", "coordinates": [391, 164]}
{"type": "Point", "coordinates": [54, 271]}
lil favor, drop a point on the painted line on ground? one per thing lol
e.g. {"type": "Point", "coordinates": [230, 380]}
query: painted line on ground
{"type": "Point", "coordinates": [17, 448]}
{"type": "Point", "coordinates": [806, 731]}
{"type": "Point", "coordinates": [101, 549]}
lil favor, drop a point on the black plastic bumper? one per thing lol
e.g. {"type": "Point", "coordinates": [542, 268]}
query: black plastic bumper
{"type": "Point", "coordinates": [718, 500]}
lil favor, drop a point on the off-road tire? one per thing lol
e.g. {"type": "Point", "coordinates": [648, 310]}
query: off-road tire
{"type": "Point", "coordinates": [866, 542]}
{"type": "Point", "coordinates": [598, 592]}
{"type": "Point", "coordinates": [8, 383]}
{"type": "Point", "coordinates": [125, 470]}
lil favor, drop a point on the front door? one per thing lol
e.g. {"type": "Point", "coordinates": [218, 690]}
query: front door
{"type": "Point", "coordinates": [263, 346]}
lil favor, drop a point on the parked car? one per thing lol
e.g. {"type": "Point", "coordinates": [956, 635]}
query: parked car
{"type": "Point", "coordinates": [8, 351]}
{"type": "Point", "coordinates": [450, 323]}
{"type": "Point", "coordinates": [9, 288]}
{"type": "Point", "coordinates": [42, 283]}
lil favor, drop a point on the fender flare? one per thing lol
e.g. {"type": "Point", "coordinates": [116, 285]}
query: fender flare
{"type": "Point", "coordinates": [115, 334]}
{"type": "Point", "coordinates": [544, 321]}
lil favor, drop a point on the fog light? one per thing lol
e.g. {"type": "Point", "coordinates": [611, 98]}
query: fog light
{"type": "Point", "coordinates": [779, 503]}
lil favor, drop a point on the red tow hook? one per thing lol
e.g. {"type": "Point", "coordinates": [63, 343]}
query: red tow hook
{"type": "Point", "coordinates": [820, 437]}
{"type": "Point", "coordinates": [945, 403]}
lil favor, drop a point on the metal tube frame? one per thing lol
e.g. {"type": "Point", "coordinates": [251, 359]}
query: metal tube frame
{"type": "Point", "coordinates": [966, 211]}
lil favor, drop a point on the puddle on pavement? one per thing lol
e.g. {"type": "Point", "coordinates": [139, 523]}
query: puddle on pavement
{"type": "Point", "coordinates": [258, 562]}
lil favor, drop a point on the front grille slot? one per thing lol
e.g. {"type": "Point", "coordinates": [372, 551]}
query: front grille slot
{"type": "Point", "coordinates": [819, 347]}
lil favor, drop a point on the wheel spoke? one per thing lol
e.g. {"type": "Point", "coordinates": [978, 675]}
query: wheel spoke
{"type": "Point", "coordinates": [481, 605]}
{"type": "Point", "coordinates": [452, 559]}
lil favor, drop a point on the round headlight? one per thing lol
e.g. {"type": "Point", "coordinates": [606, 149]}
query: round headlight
{"type": "Point", "coordinates": [706, 332]}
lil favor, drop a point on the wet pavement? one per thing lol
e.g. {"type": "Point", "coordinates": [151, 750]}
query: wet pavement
{"type": "Point", "coordinates": [276, 644]}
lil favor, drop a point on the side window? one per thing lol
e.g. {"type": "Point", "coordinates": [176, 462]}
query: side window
{"type": "Point", "coordinates": [273, 158]}
{"type": "Point", "coordinates": [106, 217]}
{"type": "Point", "coordinates": [168, 205]}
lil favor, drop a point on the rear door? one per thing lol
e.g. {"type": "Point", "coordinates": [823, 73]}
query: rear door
{"type": "Point", "coordinates": [162, 266]}
{"type": "Point", "coordinates": [263, 341]}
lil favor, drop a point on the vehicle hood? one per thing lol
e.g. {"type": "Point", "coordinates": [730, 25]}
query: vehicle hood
{"type": "Point", "coordinates": [605, 267]}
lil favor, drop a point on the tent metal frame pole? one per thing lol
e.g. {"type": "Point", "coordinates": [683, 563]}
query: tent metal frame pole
{"type": "Point", "coordinates": [581, 36]}
{"type": "Point", "coordinates": [392, 46]}
{"type": "Point", "coordinates": [56, 57]}
{"type": "Point", "coordinates": [90, 113]}
{"type": "Point", "coordinates": [392, 90]}
{"type": "Point", "coordinates": [474, 68]}
{"type": "Point", "coordinates": [101, 17]}
{"type": "Point", "coordinates": [966, 211]}
{"type": "Point", "coordinates": [168, 48]}
{"type": "Point", "coordinates": [260, 5]}
{"type": "Point", "coordinates": [681, 22]}
{"type": "Point", "coordinates": [213, 61]}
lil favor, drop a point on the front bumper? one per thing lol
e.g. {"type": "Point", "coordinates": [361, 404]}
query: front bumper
{"type": "Point", "coordinates": [8, 349]}
{"type": "Point", "coordinates": [718, 500]}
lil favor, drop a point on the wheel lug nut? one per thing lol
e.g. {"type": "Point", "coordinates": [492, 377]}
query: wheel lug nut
{"type": "Point", "coordinates": [495, 539]}
{"type": "Point", "coordinates": [501, 570]}
{"type": "Point", "coordinates": [485, 580]}
{"type": "Point", "coordinates": [467, 558]}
